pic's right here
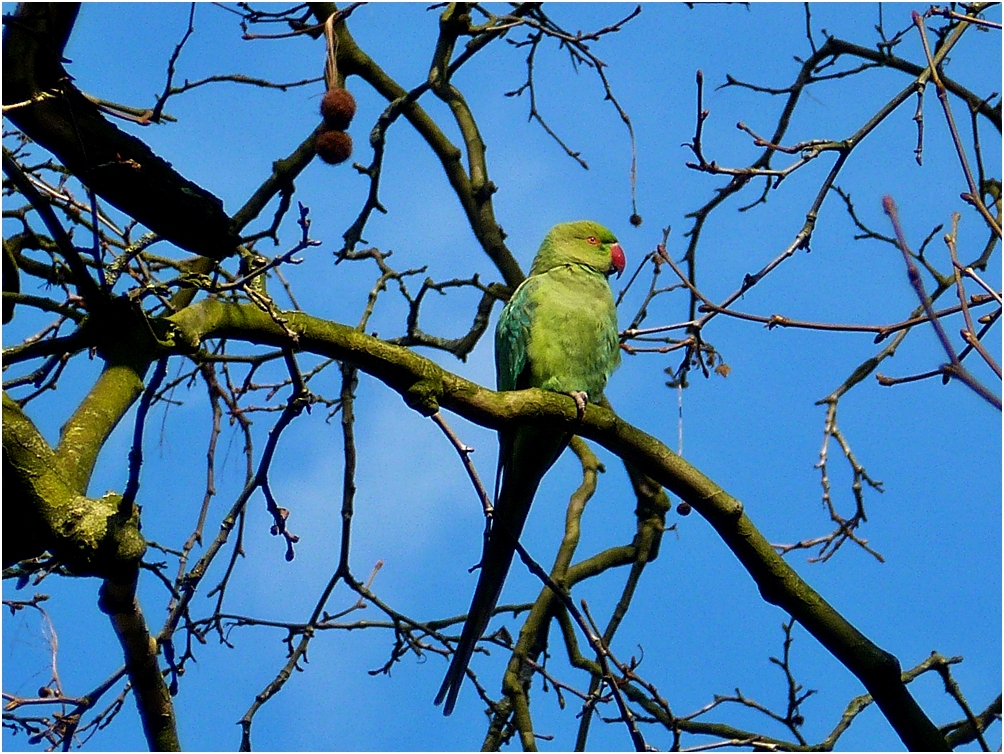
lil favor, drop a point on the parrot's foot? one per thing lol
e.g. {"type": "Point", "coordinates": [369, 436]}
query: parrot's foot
{"type": "Point", "coordinates": [581, 398]}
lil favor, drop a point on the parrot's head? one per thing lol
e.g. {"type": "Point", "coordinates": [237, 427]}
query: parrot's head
{"type": "Point", "coordinates": [583, 242]}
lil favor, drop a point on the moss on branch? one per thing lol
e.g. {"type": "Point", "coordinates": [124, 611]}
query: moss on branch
{"type": "Point", "coordinates": [84, 434]}
{"type": "Point", "coordinates": [45, 510]}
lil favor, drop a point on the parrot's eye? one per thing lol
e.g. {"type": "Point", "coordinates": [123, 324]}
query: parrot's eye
{"type": "Point", "coordinates": [593, 241]}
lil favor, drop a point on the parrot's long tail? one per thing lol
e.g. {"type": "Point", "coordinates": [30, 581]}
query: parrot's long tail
{"type": "Point", "coordinates": [525, 458]}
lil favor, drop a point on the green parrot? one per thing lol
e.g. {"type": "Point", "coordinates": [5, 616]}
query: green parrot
{"type": "Point", "coordinates": [558, 332]}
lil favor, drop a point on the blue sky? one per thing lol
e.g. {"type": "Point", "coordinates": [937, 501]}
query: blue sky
{"type": "Point", "coordinates": [698, 616]}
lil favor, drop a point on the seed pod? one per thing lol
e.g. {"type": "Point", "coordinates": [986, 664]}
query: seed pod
{"type": "Point", "coordinates": [338, 106]}
{"type": "Point", "coordinates": [333, 147]}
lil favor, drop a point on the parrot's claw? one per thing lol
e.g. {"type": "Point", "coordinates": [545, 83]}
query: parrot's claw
{"type": "Point", "coordinates": [581, 398]}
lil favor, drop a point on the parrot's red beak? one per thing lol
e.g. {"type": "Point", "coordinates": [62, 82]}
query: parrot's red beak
{"type": "Point", "coordinates": [617, 260]}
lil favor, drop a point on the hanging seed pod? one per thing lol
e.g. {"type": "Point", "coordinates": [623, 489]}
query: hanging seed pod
{"type": "Point", "coordinates": [338, 106]}
{"type": "Point", "coordinates": [333, 146]}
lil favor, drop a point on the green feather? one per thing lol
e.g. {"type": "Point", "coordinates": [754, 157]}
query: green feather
{"type": "Point", "coordinates": [558, 332]}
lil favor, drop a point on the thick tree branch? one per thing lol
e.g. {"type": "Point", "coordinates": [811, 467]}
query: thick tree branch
{"type": "Point", "coordinates": [117, 166]}
{"type": "Point", "coordinates": [85, 432]}
{"type": "Point", "coordinates": [44, 510]}
{"type": "Point", "coordinates": [156, 710]}
{"type": "Point", "coordinates": [426, 387]}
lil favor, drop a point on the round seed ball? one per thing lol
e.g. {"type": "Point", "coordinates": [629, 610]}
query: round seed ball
{"type": "Point", "coordinates": [338, 106]}
{"type": "Point", "coordinates": [333, 146]}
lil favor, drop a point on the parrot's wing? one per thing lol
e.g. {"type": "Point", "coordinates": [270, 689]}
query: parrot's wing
{"type": "Point", "coordinates": [512, 337]}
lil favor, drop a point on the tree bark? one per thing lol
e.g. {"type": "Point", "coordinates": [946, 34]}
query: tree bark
{"type": "Point", "coordinates": [40, 99]}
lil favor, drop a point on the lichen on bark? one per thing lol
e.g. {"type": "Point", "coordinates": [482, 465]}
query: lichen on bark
{"type": "Point", "coordinates": [48, 513]}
